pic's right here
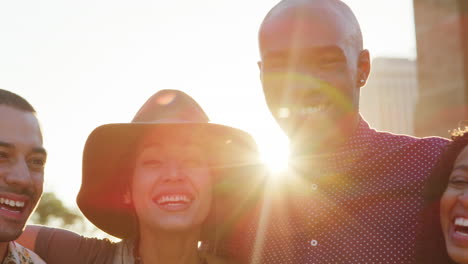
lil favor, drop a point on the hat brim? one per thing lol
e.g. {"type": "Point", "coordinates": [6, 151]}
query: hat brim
{"type": "Point", "coordinates": [108, 158]}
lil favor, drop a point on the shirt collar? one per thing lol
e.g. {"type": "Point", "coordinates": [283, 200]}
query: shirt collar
{"type": "Point", "coordinates": [19, 254]}
{"type": "Point", "coordinates": [360, 141]}
{"type": "Point", "coordinates": [358, 146]}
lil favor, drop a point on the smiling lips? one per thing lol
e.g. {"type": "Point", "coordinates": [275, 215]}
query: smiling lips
{"type": "Point", "coordinates": [12, 207]}
{"type": "Point", "coordinates": [174, 198]}
{"type": "Point", "coordinates": [461, 226]}
{"type": "Point", "coordinates": [173, 202]}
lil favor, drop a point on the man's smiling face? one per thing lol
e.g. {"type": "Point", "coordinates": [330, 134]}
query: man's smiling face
{"type": "Point", "coordinates": [22, 160]}
{"type": "Point", "coordinates": [309, 69]}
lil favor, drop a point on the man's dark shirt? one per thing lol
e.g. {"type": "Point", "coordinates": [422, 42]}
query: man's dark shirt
{"type": "Point", "coordinates": [361, 204]}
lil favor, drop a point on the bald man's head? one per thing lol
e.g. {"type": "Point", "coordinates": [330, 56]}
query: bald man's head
{"type": "Point", "coordinates": [312, 67]}
{"type": "Point", "coordinates": [333, 8]}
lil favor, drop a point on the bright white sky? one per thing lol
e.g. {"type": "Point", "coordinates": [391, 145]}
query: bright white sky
{"type": "Point", "coordinates": [85, 63]}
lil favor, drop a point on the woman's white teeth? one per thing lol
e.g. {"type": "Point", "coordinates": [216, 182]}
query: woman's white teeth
{"type": "Point", "coordinates": [11, 203]}
{"type": "Point", "coordinates": [460, 221]}
{"type": "Point", "coordinates": [173, 198]}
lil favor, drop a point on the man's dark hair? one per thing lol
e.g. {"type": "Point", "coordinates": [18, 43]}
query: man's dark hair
{"type": "Point", "coordinates": [11, 99]}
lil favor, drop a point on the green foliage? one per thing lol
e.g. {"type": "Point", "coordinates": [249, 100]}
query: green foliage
{"type": "Point", "coordinates": [52, 212]}
{"type": "Point", "coordinates": [51, 209]}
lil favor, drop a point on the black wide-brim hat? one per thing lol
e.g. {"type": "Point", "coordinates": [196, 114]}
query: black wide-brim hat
{"type": "Point", "coordinates": [110, 150]}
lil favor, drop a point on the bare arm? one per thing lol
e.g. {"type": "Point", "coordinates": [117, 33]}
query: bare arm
{"type": "Point", "coordinates": [58, 246]}
{"type": "Point", "coordinates": [28, 237]}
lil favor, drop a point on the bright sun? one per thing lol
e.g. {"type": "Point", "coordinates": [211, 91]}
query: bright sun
{"type": "Point", "coordinates": [273, 145]}
{"type": "Point", "coordinates": [275, 156]}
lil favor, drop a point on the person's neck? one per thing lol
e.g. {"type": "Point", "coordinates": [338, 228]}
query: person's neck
{"type": "Point", "coordinates": [327, 140]}
{"type": "Point", "coordinates": [169, 247]}
{"type": "Point", "coordinates": [3, 250]}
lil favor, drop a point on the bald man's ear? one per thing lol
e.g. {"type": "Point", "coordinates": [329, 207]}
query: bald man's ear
{"type": "Point", "coordinates": [260, 65]}
{"type": "Point", "coordinates": [363, 67]}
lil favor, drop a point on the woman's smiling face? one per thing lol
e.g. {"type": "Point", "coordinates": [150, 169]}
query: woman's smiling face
{"type": "Point", "coordinates": [171, 184]}
{"type": "Point", "coordinates": [454, 210]}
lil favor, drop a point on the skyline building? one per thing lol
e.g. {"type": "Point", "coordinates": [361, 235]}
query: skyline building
{"type": "Point", "coordinates": [389, 99]}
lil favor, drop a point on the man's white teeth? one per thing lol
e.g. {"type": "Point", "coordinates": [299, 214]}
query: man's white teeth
{"type": "Point", "coordinates": [311, 109]}
{"type": "Point", "coordinates": [284, 112]}
{"type": "Point", "coordinates": [460, 221]}
{"type": "Point", "coordinates": [11, 203]}
{"type": "Point", "coordinates": [173, 198]}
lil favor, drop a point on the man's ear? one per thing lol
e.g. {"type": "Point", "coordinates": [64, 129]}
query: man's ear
{"type": "Point", "coordinates": [363, 67]}
{"type": "Point", "coordinates": [127, 198]}
{"type": "Point", "coordinates": [260, 65]}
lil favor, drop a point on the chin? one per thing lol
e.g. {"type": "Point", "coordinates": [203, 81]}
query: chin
{"type": "Point", "coordinates": [176, 225]}
{"type": "Point", "coordinates": [7, 235]}
{"type": "Point", "coordinates": [458, 254]}
{"type": "Point", "coordinates": [459, 259]}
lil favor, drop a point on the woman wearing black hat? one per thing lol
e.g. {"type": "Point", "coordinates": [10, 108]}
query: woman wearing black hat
{"type": "Point", "coordinates": [164, 184]}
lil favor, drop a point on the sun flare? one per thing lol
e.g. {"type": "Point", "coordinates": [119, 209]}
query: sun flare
{"type": "Point", "coordinates": [275, 157]}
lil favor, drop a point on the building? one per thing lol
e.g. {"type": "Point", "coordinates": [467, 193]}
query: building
{"type": "Point", "coordinates": [388, 101]}
{"type": "Point", "coordinates": [442, 44]}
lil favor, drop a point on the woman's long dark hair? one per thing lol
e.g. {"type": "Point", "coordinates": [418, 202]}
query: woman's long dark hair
{"type": "Point", "coordinates": [432, 249]}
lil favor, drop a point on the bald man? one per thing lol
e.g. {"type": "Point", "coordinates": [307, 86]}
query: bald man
{"type": "Point", "coordinates": [312, 66]}
{"type": "Point", "coordinates": [353, 195]}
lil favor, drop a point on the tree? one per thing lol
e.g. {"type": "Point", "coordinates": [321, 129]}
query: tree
{"type": "Point", "coordinates": [52, 212]}
{"type": "Point", "coordinates": [51, 209]}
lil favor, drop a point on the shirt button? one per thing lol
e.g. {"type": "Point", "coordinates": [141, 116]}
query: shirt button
{"type": "Point", "coordinates": [314, 187]}
{"type": "Point", "coordinates": [314, 243]}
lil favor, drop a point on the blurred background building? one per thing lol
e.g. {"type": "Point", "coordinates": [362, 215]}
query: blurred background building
{"type": "Point", "coordinates": [442, 51]}
{"type": "Point", "coordinates": [429, 96]}
{"type": "Point", "coordinates": [388, 101]}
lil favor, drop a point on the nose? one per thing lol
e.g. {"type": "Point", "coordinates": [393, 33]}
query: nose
{"type": "Point", "coordinates": [174, 172]}
{"type": "Point", "coordinates": [19, 174]}
{"type": "Point", "coordinates": [463, 198]}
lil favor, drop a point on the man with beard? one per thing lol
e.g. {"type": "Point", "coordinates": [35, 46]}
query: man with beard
{"type": "Point", "coordinates": [22, 160]}
{"type": "Point", "coordinates": [352, 195]}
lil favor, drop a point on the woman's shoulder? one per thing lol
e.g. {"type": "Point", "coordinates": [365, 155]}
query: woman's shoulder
{"type": "Point", "coordinates": [124, 252]}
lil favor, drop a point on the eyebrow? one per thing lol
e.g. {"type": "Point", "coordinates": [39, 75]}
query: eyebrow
{"type": "Point", "coordinates": [35, 150]}
{"type": "Point", "coordinates": [40, 150]}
